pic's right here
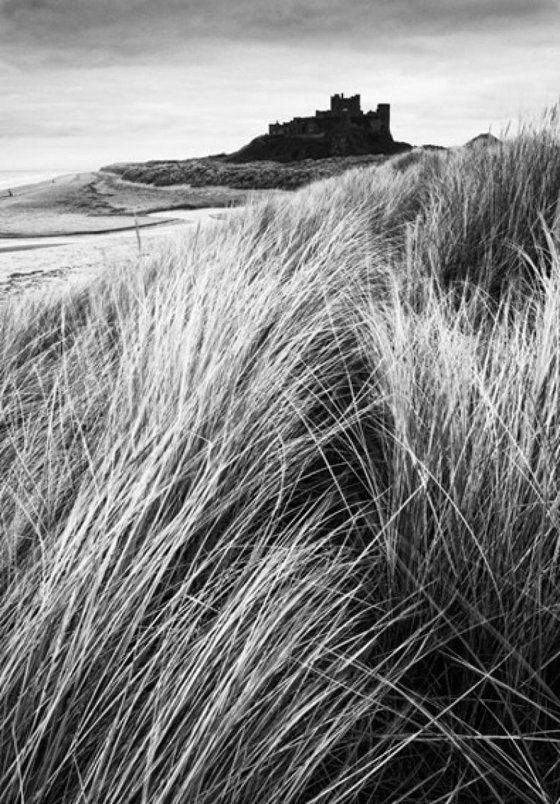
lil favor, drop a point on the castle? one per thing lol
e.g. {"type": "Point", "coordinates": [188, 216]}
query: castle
{"type": "Point", "coordinates": [343, 130]}
{"type": "Point", "coordinates": [344, 113]}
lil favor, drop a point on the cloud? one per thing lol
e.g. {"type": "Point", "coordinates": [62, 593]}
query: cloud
{"type": "Point", "coordinates": [138, 79]}
{"type": "Point", "coordinates": [132, 26]}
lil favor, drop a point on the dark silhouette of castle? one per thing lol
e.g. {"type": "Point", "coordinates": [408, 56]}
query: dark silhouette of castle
{"type": "Point", "coordinates": [344, 112]}
{"type": "Point", "coordinates": [342, 130]}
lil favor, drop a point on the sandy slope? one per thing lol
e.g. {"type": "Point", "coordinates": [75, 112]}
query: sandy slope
{"type": "Point", "coordinates": [89, 203]}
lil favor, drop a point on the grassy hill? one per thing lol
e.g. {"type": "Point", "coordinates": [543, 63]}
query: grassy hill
{"type": "Point", "coordinates": [219, 171]}
{"type": "Point", "coordinates": [281, 510]}
{"type": "Point", "coordinates": [297, 147]}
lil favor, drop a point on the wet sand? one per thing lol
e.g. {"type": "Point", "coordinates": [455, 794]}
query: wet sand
{"type": "Point", "coordinates": [11, 248]}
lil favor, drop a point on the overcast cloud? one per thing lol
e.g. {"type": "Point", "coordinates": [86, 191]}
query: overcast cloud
{"type": "Point", "coordinates": [135, 24]}
{"type": "Point", "coordinates": [88, 81]}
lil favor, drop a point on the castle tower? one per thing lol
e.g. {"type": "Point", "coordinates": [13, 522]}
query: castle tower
{"type": "Point", "coordinates": [339, 104]}
{"type": "Point", "coordinates": [384, 114]}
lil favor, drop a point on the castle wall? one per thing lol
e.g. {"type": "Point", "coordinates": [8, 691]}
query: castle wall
{"type": "Point", "coordinates": [344, 112]}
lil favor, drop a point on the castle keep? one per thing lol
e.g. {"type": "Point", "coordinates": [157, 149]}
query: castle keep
{"type": "Point", "coordinates": [344, 113]}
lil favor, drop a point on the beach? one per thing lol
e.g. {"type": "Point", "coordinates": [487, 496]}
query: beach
{"type": "Point", "coordinates": [27, 263]}
{"type": "Point", "coordinates": [68, 226]}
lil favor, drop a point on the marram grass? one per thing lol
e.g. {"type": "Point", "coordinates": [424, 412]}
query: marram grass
{"type": "Point", "coordinates": [280, 509]}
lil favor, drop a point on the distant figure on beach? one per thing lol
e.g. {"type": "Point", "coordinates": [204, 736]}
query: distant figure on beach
{"type": "Point", "coordinates": [10, 193]}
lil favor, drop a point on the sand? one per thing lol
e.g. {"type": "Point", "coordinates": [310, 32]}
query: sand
{"type": "Point", "coordinates": [80, 259]}
{"type": "Point", "coordinates": [89, 203]}
{"type": "Point", "coordinates": [69, 227]}
{"type": "Point", "coordinates": [38, 263]}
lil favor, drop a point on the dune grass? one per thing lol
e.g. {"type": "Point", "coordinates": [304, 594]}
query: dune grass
{"type": "Point", "coordinates": [281, 508]}
{"type": "Point", "coordinates": [215, 172]}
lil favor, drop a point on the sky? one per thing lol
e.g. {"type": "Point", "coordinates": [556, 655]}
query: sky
{"type": "Point", "coordinates": [84, 83]}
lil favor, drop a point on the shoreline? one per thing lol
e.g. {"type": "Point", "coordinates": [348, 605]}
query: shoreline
{"type": "Point", "coordinates": [16, 249]}
{"type": "Point", "coordinates": [85, 232]}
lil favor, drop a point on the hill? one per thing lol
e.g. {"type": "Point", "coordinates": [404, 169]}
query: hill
{"type": "Point", "coordinates": [483, 140]}
{"type": "Point", "coordinates": [221, 171]}
{"type": "Point", "coordinates": [291, 155]}
{"type": "Point", "coordinates": [280, 508]}
{"type": "Point", "coordinates": [298, 147]}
